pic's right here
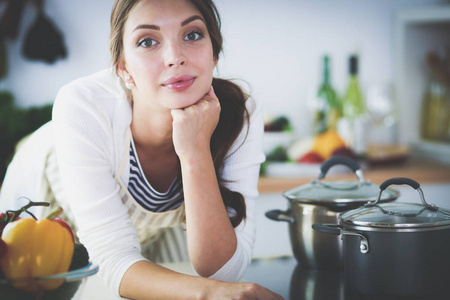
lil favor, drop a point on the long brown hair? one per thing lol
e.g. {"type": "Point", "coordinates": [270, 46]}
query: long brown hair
{"type": "Point", "coordinates": [232, 99]}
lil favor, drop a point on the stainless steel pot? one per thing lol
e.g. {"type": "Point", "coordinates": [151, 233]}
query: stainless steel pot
{"type": "Point", "coordinates": [321, 202]}
{"type": "Point", "coordinates": [395, 249]}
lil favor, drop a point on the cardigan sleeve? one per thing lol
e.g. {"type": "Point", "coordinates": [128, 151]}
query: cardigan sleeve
{"type": "Point", "coordinates": [241, 174]}
{"type": "Point", "coordinates": [85, 149]}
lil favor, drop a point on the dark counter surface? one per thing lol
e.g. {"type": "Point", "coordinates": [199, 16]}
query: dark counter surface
{"type": "Point", "coordinates": [293, 282]}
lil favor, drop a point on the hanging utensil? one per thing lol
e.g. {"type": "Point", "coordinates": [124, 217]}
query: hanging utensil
{"type": "Point", "coordinates": [44, 41]}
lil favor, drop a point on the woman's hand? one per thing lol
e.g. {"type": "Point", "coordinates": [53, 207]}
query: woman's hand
{"type": "Point", "coordinates": [194, 125]}
{"type": "Point", "coordinates": [242, 290]}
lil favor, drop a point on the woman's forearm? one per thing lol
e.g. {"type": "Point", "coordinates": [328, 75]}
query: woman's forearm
{"type": "Point", "coordinates": [147, 280]}
{"type": "Point", "coordinates": [211, 237]}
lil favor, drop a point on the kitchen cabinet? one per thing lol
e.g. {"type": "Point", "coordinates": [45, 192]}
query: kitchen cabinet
{"type": "Point", "coordinates": [417, 31]}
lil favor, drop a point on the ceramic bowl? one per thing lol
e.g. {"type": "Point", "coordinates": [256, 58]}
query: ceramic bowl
{"type": "Point", "coordinates": [71, 288]}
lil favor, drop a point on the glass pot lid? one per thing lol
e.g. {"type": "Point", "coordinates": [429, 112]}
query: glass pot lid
{"type": "Point", "coordinates": [339, 192]}
{"type": "Point", "coordinates": [397, 214]}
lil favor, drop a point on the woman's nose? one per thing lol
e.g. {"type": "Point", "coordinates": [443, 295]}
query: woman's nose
{"type": "Point", "coordinates": [174, 55]}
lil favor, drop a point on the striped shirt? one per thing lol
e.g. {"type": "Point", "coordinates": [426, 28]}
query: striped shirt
{"type": "Point", "coordinates": [145, 195]}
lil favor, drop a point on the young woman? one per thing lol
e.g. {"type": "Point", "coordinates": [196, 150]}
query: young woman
{"type": "Point", "coordinates": [133, 157]}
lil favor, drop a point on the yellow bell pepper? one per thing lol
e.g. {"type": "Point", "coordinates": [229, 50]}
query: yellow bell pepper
{"type": "Point", "coordinates": [36, 248]}
{"type": "Point", "coordinates": [326, 143]}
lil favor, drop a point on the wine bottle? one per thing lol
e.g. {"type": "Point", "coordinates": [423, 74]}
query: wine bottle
{"type": "Point", "coordinates": [353, 103]}
{"type": "Point", "coordinates": [353, 124]}
{"type": "Point", "coordinates": [434, 107]}
{"type": "Point", "coordinates": [436, 101]}
{"type": "Point", "coordinates": [328, 107]}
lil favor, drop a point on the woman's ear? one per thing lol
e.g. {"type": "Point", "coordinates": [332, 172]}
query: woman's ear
{"type": "Point", "coordinates": [120, 69]}
{"type": "Point", "coordinates": [126, 77]}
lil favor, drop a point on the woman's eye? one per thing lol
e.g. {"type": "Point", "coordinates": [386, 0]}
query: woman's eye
{"type": "Point", "coordinates": [193, 36]}
{"type": "Point", "coordinates": [147, 43]}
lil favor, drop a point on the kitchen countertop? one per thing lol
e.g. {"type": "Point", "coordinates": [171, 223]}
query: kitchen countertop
{"type": "Point", "coordinates": [421, 170]}
{"type": "Point", "coordinates": [293, 282]}
{"type": "Point", "coordinates": [275, 267]}
{"type": "Point", "coordinates": [280, 274]}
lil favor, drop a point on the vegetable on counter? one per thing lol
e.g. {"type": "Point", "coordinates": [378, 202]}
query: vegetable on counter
{"type": "Point", "coordinates": [277, 124]}
{"type": "Point", "coordinates": [80, 257]}
{"type": "Point", "coordinates": [327, 142]}
{"type": "Point", "coordinates": [278, 154]}
{"type": "Point", "coordinates": [35, 248]}
{"type": "Point", "coordinates": [320, 148]}
{"type": "Point", "coordinates": [66, 291]}
{"type": "Point", "coordinates": [4, 219]}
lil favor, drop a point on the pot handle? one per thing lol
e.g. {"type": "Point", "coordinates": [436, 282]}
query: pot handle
{"type": "Point", "coordinates": [403, 180]}
{"type": "Point", "coordinates": [327, 228]}
{"type": "Point", "coordinates": [279, 215]}
{"type": "Point", "coordinates": [336, 230]}
{"type": "Point", "coordinates": [341, 160]}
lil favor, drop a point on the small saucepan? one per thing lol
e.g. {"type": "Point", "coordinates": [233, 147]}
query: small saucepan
{"type": "Point", "coordinates": [395, 249]}
{"type": "Point", "coordinates": [321, 202]}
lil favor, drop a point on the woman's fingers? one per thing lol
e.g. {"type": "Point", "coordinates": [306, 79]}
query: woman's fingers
{"type": "Point", "coordinates": [247, 291]}
{"type": "Point", "coordinates": [211, 93]}
{"type": "Point", "coordinates": [194, 125]}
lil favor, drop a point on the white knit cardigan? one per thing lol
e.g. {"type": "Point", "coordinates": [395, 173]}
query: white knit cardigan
{"type": "Point", "coordinates": [90, 118]}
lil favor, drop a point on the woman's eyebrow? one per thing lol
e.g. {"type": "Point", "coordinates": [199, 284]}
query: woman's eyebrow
{"type": "Point", "coordinates": [156, 27]}
{"type": "Point", "coordinates": [191, 19]}
{"type": "Point", "coordinates": [146, 26]}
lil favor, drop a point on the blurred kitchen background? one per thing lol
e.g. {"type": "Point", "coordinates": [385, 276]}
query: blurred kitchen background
{"type": "Point", "coordinates": [276, 49]}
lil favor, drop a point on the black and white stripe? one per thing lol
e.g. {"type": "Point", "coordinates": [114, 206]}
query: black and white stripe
{"type": "Point", "coordinates": [145, 194]}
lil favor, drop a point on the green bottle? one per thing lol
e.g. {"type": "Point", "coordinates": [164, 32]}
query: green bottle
{"type": "Point", "coordinates": [328, 109]}
{"type": "Point", "coordinates": [352, 126]}
{"type": "Point", "coordinates": [353, 102]}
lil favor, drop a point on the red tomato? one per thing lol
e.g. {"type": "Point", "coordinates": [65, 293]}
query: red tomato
{"type": "Point", "coordinates": [3, 217]}
{"type": "Point", "coordinates": [2, 248]}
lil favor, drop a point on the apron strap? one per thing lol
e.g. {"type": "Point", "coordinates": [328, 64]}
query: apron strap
{"type": "Point", "coordinates": [125, 153]}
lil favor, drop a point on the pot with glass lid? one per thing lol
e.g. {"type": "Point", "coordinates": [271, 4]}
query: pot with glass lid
{"type": "Point", "coordinates": [321, 201]}
{"type": "Point", "coordinates": [395, 249]}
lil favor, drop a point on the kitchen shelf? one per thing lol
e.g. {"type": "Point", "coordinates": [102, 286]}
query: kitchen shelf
{"type": "Point", "coordinates": [422, 170]}
{"type": "Point", "coordinates": [418, 31]}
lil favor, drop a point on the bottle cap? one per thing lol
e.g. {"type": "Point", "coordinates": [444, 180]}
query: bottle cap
{"type": "Point", "coordinates": [353, 65]}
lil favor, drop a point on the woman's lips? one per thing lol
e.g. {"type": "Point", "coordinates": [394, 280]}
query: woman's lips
{"type": "Point", "coordinates": [179, 83]}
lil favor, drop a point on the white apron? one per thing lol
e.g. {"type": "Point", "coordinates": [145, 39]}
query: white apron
{"type": "Point", "coordinates": [162, 234]}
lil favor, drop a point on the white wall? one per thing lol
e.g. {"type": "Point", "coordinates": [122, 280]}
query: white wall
{"type": "Point", "coordinates": [276, 46]}
{"type": "Point", "coordinates": [85, 26]}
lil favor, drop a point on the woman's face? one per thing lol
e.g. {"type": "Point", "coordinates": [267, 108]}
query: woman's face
{"type": "Point", "coordinates": [168, 53]}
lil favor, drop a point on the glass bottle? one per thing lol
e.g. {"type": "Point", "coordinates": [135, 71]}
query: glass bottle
{"type": "Point", "coordinates": [328, 106]}
{"type": "Point", "coordinates": [436, 101]}
{"type": "Point", "coordinates": [353, 124]}
{"type": "Point", "coordinates": [434, 111]}
{"type": "Point", "coordinates": [353, 102]}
